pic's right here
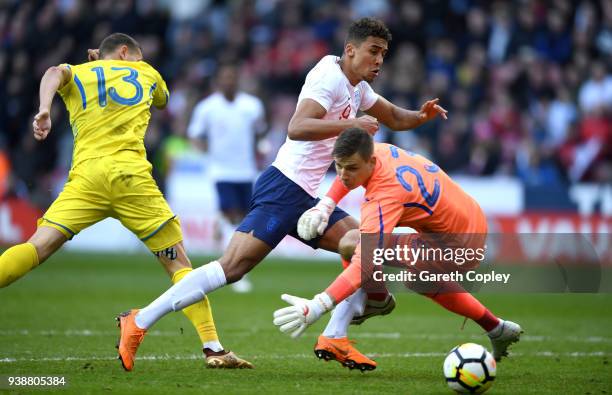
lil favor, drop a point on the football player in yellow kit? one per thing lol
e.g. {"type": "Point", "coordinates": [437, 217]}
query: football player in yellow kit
{"type": "Point", "coordinates": [109, 100]}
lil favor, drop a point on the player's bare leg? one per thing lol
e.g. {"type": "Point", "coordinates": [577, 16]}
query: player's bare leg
{"type": "Point", "coordinates": [234, 217]}
{"type": "Point", "coordinates": [173, 259]}
{"type": "Point", "coordinates": [348, 243]}
{"type": "Point", "coordinates": [22, 258]}
{"type": "Point", "coordinates": [331, 239]}
{"type": "Point", "coordinates": [47, 240]}
{"type": "Point", "coordinates": [242, 254]}
{"type": "Point", "coordinates": [176, 263]}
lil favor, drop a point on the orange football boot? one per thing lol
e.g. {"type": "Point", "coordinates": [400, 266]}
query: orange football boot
{"type": "Point", "coordinates": [342, 350]}
{"type": "Point", "coordinates": [129, 339]}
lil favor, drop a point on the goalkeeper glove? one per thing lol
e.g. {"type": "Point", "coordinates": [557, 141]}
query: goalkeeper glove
{"type": "Point", "coordinates": [314, 220]}
{"type": "Point", "coordinates": [302, 313]}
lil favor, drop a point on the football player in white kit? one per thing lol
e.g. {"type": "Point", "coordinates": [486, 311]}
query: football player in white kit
{"type": "Point", "coordinates": [334, 90]}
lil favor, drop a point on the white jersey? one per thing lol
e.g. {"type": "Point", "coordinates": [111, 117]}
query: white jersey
{"type": "Point", "coordinates": [231, 128]}
{"type": "Point", "coordinates": [306, 162]}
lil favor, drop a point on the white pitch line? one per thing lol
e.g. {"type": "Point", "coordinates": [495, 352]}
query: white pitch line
{"type": "Point", "coordinates": [378, 335]}
{"type": "Point", "coordinates": [358, 335]}
{"type": "Point", "coordinates": [167, 357]}
{"type": "Point", "coordinates": [79, 332]}
{"type": "Point", "coordinates": [89, 332]}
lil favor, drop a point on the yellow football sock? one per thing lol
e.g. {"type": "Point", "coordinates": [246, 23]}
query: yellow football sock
{"type": "Point", "coordinates": [16, 262]}
{"type": "Point", "coordinates": [200, 314]}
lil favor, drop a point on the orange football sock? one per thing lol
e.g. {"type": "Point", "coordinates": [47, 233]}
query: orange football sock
{"type": "Point", "coordinates": [378, 296]}
{"type": "Point", "coordinates": [467, 305]}
{"type": "Point", "coordinates": [345, 284]}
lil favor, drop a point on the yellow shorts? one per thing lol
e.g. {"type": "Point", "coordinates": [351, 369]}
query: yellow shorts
{"type": "Point", "coordinates": [118, 186]}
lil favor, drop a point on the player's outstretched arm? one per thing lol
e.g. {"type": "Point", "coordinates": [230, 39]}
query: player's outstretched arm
{"type": "Point", "coordinates": [54, 79]}
{"type": "Point", "coordinates": [398, 118]}
{"type": "Point", "coordinates": [307, 123]}
{"type": "Point", "coordinates": [313, 222]}
{"type": "Point", "coordinates": [301, 313]}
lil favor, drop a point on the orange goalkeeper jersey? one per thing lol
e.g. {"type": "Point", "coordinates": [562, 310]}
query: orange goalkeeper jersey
{"type": "Point", "coordinates": [406, 189]}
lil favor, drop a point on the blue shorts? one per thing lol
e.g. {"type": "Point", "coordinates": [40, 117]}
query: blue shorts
{"type": "Point", "coordinates": [234, 195]}
{"type": "Point", "coordinates": [276, 206]}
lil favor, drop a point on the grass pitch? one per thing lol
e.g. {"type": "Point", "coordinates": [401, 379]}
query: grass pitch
{"type": "Point", "coordinates": [59, 320]}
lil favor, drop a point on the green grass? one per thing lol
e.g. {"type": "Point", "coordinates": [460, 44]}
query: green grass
{"type": "Point", "coordinates": [59, 320]}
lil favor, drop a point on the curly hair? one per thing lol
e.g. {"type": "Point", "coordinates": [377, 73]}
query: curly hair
{"type": "Point", "coordinates": [363, 28]}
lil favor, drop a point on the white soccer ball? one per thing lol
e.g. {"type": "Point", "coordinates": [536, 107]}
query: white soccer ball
{"type": "Point", "coordinates": [469, 368]}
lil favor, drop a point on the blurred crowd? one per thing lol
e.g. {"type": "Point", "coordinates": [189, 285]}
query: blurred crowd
{"type": "Point", "coordinates": [528, 83]}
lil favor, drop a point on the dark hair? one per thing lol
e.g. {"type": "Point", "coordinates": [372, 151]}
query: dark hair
{"type": "Point", "coordinates": [363, 28]}
{"type": "Point", "coordinates": [110, 43]}
{"type": "Point", "coordinates": [354, 140]}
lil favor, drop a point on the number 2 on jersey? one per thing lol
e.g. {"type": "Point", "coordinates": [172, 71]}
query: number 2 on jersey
{"type": "Point", "coordinates": [131, 79]}
{"type": "Point", "coordinates": [430, 197]}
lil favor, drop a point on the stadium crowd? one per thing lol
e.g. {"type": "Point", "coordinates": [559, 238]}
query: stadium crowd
{"type": "Point", "coordinates": [528, 83]}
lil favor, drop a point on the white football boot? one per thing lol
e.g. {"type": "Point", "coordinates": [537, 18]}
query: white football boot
{"type": "Point", "coordinates": [506, 333]}
{"type": "Point", "coordinates": [374, 308]}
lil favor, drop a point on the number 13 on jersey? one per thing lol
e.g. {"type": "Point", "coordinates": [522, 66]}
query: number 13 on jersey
{"type": "Point", "coordinates": [104, 93]}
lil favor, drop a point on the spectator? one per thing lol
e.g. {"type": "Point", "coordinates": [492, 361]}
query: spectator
{"type": "Point", "coordinates": [595, 94]}
{"type": "Point", "coordinates": [5, 170]}
{"type": "Point", "coordinates": [502, 58]}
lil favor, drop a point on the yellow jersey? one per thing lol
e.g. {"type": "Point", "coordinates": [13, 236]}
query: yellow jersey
{"type": "Point", "coordinates": [109, 104]}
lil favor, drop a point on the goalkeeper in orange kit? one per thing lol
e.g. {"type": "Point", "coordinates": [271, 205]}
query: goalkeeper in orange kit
{"type": "Point", "coordinates": [401, 189]}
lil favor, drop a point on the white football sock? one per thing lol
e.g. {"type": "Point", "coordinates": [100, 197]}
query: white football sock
{"type": "Point", "coordinates": [213, 346]}
{"type": "Point", "coordinates": [192, 288]}
{"type": "Point", "coordinates": [338, 324]}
